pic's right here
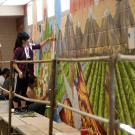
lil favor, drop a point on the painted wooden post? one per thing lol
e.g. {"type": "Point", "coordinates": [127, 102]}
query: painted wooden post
{"type": "Point", "coordinates": [10, 96]}
{"type": "Point", "coordinates": [52, 86]}
{"type": "Point", "coordinates": [112, 95]}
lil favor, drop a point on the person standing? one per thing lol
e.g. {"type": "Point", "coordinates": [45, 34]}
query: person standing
{"type": "Point", "coordinates": [22, 51]}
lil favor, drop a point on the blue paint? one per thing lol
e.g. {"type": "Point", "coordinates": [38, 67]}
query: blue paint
{"type": "Point", "coordinates": [58, 12]}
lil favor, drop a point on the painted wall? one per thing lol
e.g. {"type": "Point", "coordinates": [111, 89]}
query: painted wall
{"type": "Point", "coordinates": [93, 28]}
{"type": "Point", "coordinates": [103, 29]}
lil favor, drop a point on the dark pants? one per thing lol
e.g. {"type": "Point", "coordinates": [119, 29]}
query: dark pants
{"type": "Point", "coordinates": [37, 107]}
{"type": "Point", "coordinates": [21, 88]}
{"type": "Point", "coordinates": [2, 97]}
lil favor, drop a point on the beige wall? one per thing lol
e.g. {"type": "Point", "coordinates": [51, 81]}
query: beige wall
{"type": "Point", "coordinates": [7, 37]}
{"type": "Point", "coordinates": [11, 11]}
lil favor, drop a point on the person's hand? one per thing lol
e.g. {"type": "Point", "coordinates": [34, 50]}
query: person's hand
{"type": "Point", "coordinates": [20, 74]}
{"type": "Point", "coordinates": [52, 39]}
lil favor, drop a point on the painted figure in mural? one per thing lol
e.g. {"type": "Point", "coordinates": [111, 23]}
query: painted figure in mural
{"type": "Point", "coordinates": [77, 97]}
{"type": "Point", "coordinates": [31, 93]}
{"type": "Point", "coordinates": [22, 51]}
{"type": "Point", "coordinates": [71, 100]}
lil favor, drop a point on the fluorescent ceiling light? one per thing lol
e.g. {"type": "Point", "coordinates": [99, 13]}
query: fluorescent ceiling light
{"type": "Point", "coordinates": [14, 2]}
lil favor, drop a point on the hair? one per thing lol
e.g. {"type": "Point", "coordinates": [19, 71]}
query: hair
{"type": "Point", "coordinates": [20, 37]}
{"type": "Point", "coordinates": [32, 79]}
{"type": "Point", "coordinates": [5, 72]}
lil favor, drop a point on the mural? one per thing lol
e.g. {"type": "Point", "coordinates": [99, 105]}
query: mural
{"type": "Point", "coordinates": [77, 96]}
{"type": "Point", "coordinates": [91, 27]}
{"type": "Point", "coordinates": [84, 86]}
{"type": "Point", "coordinates": [43, 70]}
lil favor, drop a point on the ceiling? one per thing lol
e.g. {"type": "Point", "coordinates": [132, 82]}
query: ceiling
{"type": "Point", "coordinates": [13, 2]}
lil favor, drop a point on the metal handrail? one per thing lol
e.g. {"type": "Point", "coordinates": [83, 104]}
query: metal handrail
{"type": "Point", "coordinates": [83, 59]}
{"type": "Point", "coordinates": [27, 99]}
{"type": "Point", "coordinates": [119, 57]}
{"type": "Point", "coordinates": [33, 61]}
{"type": "Point", "coordinates": [32, 100]}
{"type": "Point", "coordinates": [95, 117]}
{"type": "Point", "coordinates": [3, 62]}
{"type": "Point", "coordinates": [126, 57]}
{"type": "Point", "coordinates": [122, 126]}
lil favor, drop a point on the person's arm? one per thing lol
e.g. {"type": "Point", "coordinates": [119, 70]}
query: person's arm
{"type": "Point", "coordinates": [30, 93]}
{"type": "Point", "coordinates": [51, 38]}
{"type": "Point", "coordinates": [15, 66]}
{"type": "Point", "coordinates": [43, 43]}
{"type": "Point", "coordinates": [17, 53]}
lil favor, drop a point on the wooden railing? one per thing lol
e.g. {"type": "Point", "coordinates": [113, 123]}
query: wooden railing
{"type": "Point", "coordinates": [53, 103]}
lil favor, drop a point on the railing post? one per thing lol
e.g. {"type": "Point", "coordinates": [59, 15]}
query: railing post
{"type": "Point", "coordinates": [52, 86]}
{"type": "Point", "coordinates": [10, 96]}
{"type": "Point", "coordinates": [112, 95]}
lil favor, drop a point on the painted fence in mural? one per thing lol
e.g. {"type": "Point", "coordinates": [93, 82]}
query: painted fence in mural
{"type": "Point", "coordinates": [93, 27]}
